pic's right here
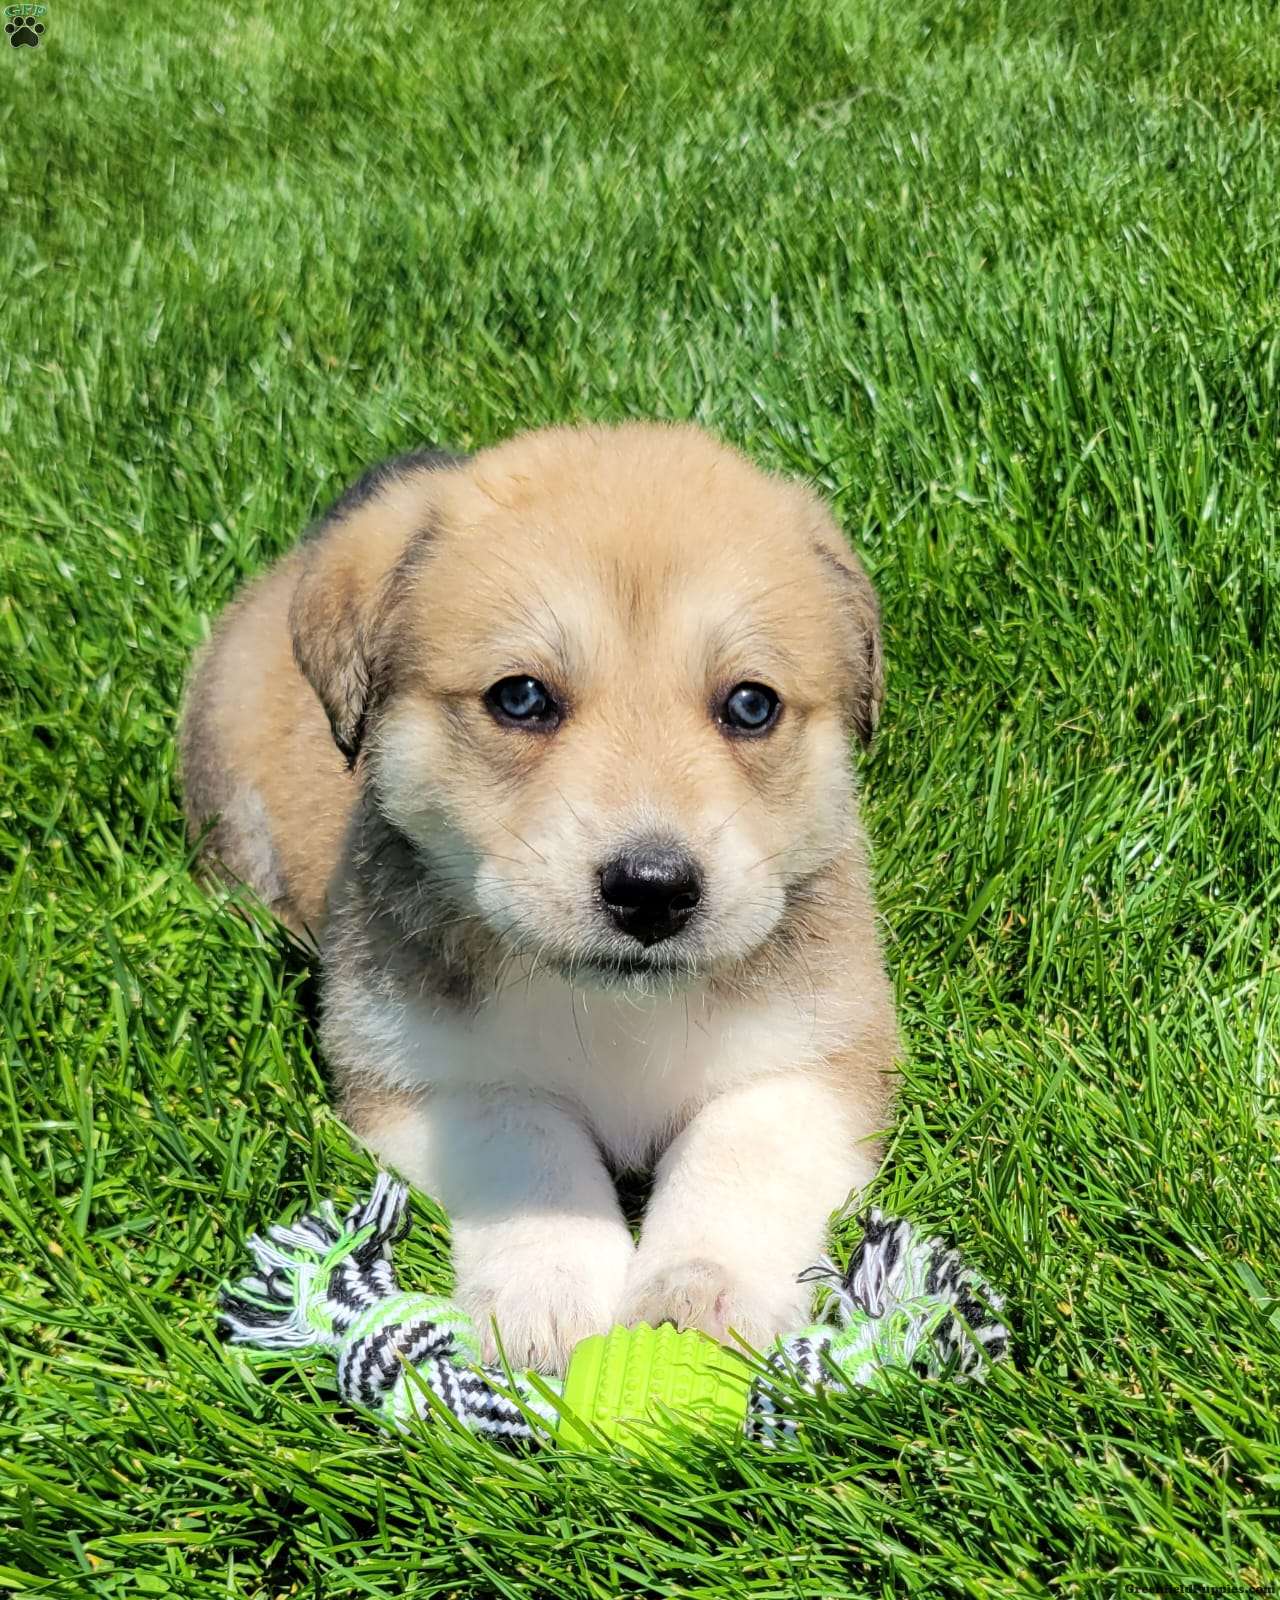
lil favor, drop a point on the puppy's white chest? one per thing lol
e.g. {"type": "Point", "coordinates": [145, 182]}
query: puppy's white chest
{"type": "Point", "coordinates": [638, 1065]}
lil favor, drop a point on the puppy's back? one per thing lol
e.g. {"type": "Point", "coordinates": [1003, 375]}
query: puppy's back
{"type": "Point", "coordinates": [260, 772]}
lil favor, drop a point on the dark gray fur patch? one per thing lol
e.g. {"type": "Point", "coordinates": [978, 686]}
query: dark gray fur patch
{"type": "Point", "coordinates": [372, 482]}
{"type": "Point", "coordinates": [396, 917]}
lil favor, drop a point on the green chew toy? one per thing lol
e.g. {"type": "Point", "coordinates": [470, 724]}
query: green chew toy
{"type": "Point", "coordinates": [905, 1304]}
{"type": "Point", "coordinates": [622, 1382]}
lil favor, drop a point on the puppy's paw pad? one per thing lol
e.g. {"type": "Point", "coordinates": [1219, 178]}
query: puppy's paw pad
{"type": "Point", "coordinates": [688, 1294]}
{"type": "Point", "coordinates": [701, 1294]}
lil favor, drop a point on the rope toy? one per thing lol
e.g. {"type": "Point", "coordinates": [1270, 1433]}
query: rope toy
{"type": "Point", "coordinates": [325, 1284]}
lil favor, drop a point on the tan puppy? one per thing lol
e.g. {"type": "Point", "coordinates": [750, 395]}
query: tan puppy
{"type": "Point", "coordinates": [549, 748]}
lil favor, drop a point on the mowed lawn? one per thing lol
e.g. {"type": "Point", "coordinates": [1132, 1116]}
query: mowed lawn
{"type": "Point", "coordinates": [1004, 279]}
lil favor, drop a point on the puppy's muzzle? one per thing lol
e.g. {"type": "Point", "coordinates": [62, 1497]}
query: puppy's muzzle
{"type": "Point", "coordinates": [651, 891]}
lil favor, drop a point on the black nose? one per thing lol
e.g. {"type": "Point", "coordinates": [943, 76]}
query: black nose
{"type": "Point", "coordinates": [651, 892]}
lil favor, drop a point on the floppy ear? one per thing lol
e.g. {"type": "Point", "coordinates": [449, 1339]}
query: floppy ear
{"type": "Point", "coordinates": [354, 566]}
{"type": "Point", "coordinates": [333, 618]}
{"type": "Point", "coordinates": [864, 692]}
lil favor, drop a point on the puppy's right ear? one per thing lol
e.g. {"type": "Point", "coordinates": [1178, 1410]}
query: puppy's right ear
{"type": "Point", "coordinates": [334, 622]}
{"type": "Point", "coordinates": [354, 567]}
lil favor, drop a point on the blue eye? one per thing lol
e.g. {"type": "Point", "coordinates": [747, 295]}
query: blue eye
{"type": "Point", "coordinates": [750, 708]}
{"type": "Point", "coordinates": [524, 701]}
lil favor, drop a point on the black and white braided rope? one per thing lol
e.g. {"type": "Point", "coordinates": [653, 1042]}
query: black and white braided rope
{"type": "Point", "coordinates": [904, 1302]}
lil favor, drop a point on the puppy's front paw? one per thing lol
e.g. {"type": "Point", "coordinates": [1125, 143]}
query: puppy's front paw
{"type": "Point", "coordinates": [537, 1298]}
{"type": "Point", "coordinates": [699, 1293]}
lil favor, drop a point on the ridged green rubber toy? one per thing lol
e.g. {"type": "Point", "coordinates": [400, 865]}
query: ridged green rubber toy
{"type": "Point", "coordinates": [324, 1284]}
{"type": "Point", "coordinates": [625, 1383]}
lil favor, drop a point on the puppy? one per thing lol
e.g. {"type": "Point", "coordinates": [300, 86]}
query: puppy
{"type": "Point", "coordinates": [548, 747]}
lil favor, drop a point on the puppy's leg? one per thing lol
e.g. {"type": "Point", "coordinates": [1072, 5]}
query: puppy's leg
{"type": "Point", "coordinates": [739, 1208]}
{"type": "Point", "coordinates": [540, 1247]}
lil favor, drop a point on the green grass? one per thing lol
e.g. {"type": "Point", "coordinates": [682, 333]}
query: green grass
{"type": "Point", "coordinates": [1004, 278]}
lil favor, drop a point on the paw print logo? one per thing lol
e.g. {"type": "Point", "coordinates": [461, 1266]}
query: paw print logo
{"type": "Point", "coordinates": [23, 25]}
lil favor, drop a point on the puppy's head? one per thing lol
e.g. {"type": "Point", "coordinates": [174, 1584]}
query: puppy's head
{"type": "Point", "coordinates": [604, 681]}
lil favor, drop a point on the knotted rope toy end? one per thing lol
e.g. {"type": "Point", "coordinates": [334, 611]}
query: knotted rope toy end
{"type": "Point", "coordinates": [325, 1284]}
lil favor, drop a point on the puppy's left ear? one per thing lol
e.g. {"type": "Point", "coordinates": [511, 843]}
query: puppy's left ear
{"type": "Point", "coordinates": [860, 609]}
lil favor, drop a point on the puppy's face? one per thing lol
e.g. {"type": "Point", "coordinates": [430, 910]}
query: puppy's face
{"type": "Point", "coordinates": [618, 681]}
